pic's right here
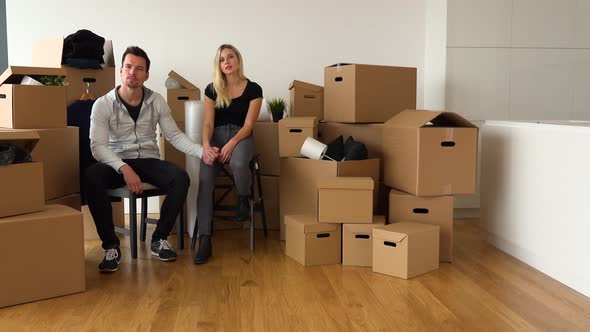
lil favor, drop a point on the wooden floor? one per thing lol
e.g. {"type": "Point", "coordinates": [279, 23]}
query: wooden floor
{"type": "Point", "coordinates": [483, 289]}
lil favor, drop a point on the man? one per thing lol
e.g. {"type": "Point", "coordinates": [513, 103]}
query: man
{"type": "Point", "coordinates": [123, 141]}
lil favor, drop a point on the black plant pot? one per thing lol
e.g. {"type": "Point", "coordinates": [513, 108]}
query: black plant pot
{"type": "Point", "coordinates": [276, 116]}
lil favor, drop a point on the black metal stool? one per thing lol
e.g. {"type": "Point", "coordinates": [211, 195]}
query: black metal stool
{"type": "Point", "coordinates": [148, 191]}
{"type": "Point", "coordinates": [255, 203]}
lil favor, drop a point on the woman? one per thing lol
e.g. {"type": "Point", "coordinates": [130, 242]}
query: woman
{"type": "Point", "coordinates": [232, 105]}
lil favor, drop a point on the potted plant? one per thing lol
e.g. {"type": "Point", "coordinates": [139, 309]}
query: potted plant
{"type": "Point", "coordinates": [276, 106]}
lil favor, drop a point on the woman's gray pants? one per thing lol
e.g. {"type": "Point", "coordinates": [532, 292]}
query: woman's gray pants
{"type": "Point", "coordinates": [239, 163]}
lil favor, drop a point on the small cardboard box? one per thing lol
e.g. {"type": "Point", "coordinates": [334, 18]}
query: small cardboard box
{"type": "Point", "coordinates": [312, 243]}
{"type": "Point", "coordinates": [405, 249]}
{"type": "Point", "coordinates": [266, 140]}
{"type": "Point", "coordinates": [293, 132]}
{"type": "Point", "coordinates": [429, 153]}
{"type": "Point", "coordinates": [345, 200]}
{"type": "Point", "coordinates": [367, 93]}
{"type": "Point", "coordinates": [357, 242]}
{"type": "Point", "coordinates": [31, 106]}
{"type": "Point", "coordinates": [169, 152]}
{"type": "Point", "coordinates": [22, 188]}
{"type": "Point", "coordinates": [72, 201]}
{"type": "Point", "coordinates": [177, 97]}
{"type": "Point", "coordinates": [35, 273]}
{"type": "Point", "coordinates": [299, 182]}
{"type": "Point", "coordinates": [58, 151]}
{"type": "Point", "coordinates": [306, 99]}
{"type": "Point", "coordinates": [48, 53]}
{"type": "Point", "coordinates": [427, 210]}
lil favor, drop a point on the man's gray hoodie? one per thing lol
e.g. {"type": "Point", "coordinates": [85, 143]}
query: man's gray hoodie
{"type": "Point", "coordinates": [115, 136]}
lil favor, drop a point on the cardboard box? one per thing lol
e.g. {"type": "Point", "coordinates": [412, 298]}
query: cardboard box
{"type": "Point", "coordinates": [357, 242]}
{"type": "Point", "coordinates": [366, 93]}
{"type": "Point", "coordinates": [405, 249]}
{"type": "Point", "coordinates": [430, 153]}
{"type": "Point", "coordinates": [177, 97]}
{"type": "Point", "coordinates": [293, 132]}
{"type": "Point", "coordinates": [72, 201]}
{"type": "Point", "coordinates": [22, 184]}
{"type": "Point", "coordinates": [169, 152]}
{"type": "Point", "coordinates": [89, 226]}
{"type": "Point", "coordinates": [299, 182]}
{"type": "Point", "coordinates": [270, 193]}
{"type": "Point", "coordinates": [35, 273]}
{"type": "Point", "coordinates": [31, 106]}
{"type": "Point", "coordinates": [266, 140]}
{"type": "Point", "coordinates": [369, 134]}
{"type": "Point", "coordinates": [427, 210]}
{"type": "Point", "coordinates": [306, 99]}
{"type": "Point", "coordinates": [58, 150]}
{"type": "Point", "coordinates": [345, 200]}
{"type": "Point", "coordinates": [312, 243]}
{"type": "Point", "coordinates": [48, 53]}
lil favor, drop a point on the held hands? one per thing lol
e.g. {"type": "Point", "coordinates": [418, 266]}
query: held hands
{"type": "Point", "coordinates": [210, 154]}
{"type": "Point", "coordinates": [131, 179]}
{"type": "Point", "coordinates": [226, 151]}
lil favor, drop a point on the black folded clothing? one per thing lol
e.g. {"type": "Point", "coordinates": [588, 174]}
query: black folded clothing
{"type": "Point", "coordinates": [13, 154]}
{"type": "Point", "coordinates": [83, 49]}
{"type": "Point", "coordinates": [335, 149]}
{"type": "Point", "coordinates": [354, 150]}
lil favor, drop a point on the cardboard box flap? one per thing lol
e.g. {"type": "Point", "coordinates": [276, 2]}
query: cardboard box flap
{"type": "Point", "coordinates": [382, 233]}
{"type": "Point", "coordinates": [51, 211]}
{"type": "Point", "coordinates": [310, 223]}
{"type": "Point", "coordinates": [451, 119]}
{"type": "Point", "coordinates": [341, 64]}
{"type": "Point", "coordinates": [363, 183]}
{"type": "Point", "coordinates": [14, 74]}
{"type": "Point", "coordinates": [181, 80]}
{"type": "Point", "coordinates": [411, 119]}
{"type": "Point", "coordinates": [48, 53]}
{"type": "Point", "coordinates": [25, 139]}
{"type": "Point", "coordinates": [299, 122]}
{"type": "Point", "coordinates": [305, 85]}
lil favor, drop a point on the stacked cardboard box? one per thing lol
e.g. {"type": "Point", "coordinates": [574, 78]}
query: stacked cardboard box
{"type": "Point", "coordinates": [27, 223]}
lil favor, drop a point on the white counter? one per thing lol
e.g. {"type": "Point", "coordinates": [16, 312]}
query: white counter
{"type": "Point", "coordinates": [535, 195]}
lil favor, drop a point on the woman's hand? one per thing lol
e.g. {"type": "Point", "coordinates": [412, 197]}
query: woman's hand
{"type": "Point", "coordinates": [226, 151]}
{"type": "Point", "coordinates": [210, 154]}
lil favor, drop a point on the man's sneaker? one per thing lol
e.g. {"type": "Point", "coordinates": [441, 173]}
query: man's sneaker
{"type": "Point", "coordinates": [163, 249]}
{"type": "Point", "coordinates": [110, 262]}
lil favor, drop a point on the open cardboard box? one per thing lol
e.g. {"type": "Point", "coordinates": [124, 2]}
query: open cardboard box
{"type": "Point", "coordinates": [177, 97]}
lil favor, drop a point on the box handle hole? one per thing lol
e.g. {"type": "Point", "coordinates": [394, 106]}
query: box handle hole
{"type": "Point", "coordinates": [2, 96]}
{"type": "Point", "coordinates": [420, 211]}
{"type": "Point", "coordinates": [295, 130]}
{"type": "Point", "coordinates": [338, 79]}
{"type": "Point", "coordinates": [322, 235]}
{"type": "Point", "coordinates": [182, 98]}
{"type": "Point", "coordinates": [309, 96]}
{"type": "Point", "coordinates": [390, 244]}
{"type": "Point", "coordinates": [447, 144]}
{"type": "Point", "coordinates": [89, 80]}
{"type": "Point", "coordinates": [362, 236]}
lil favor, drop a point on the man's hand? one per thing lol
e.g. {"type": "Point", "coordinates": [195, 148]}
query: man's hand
{"type": "Point", "coordinates": [210, 154]}
{"type": "Point", "coordinates": [131, 179]}
{"type": "Point", "coordinates": [226, 151]}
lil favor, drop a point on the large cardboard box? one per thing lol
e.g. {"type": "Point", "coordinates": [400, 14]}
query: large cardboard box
{"type": "Point", "coordinates": [31, 106]}
{"type": "Point", "coordinates": [299, 182]}
{"type": "Point", "coordinates": [293, 132]}
{"type": "Point", "coordinates": [345, 200]}
{"type": "Point", "coordinates": [98, 82]}
{"type": "Point", "coordinates": [22, 184]}
{"type": "Point", "coordinates": [306, 99]}
{"type": "Point", "coordinates": [405, 249]}
{"type": "Point", "coordinates": [58, 150]}
{"type": "Point", "coordinates": [427, 210]}
{"type": "Point", "coordinates": [266, 140]}
{"type": "Point", "coordinates": [357, 242]}
{"type": "Point", "coordinates": [366, 93]}
{"type": "Point", "coordinates": [270, 193]}
{"type": "Point", "coordinates": [72, 201]}
{"type": "Point", "coordinates": [169, 152]}
{"type": "Point", "coordinates": [429, 153]}
{"type": "Point", "coordinates": [370, 134]}
{"type": "Point", "coordinates": [312, 243]}
{"type": "Point", "coordinates": [33, 241]}
{"type": "Point", "coordinates": [177, 97]}
{"type": "Point", "coordinates": [118, 212]}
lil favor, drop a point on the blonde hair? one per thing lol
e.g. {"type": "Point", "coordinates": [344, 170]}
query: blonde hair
{"type": "Point", "coordinates": [219, 81]}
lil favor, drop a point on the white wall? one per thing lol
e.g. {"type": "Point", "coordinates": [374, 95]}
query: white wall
{"type": "Point", "coordinates": [280, 41]}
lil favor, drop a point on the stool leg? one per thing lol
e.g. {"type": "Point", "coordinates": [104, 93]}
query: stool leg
{"type": "Point", "coordinates": [195, 232]}
{"type": "Point", "coordinates": [261, 200]}
{"type": "Point", "coordinates": [133, 225]}
{"type": "Point", "coordinates": [252, 224]}
{"type": "Point", "coordinates": [180, 229]}
{"type": "Point", "coordinates": [142, 227]}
